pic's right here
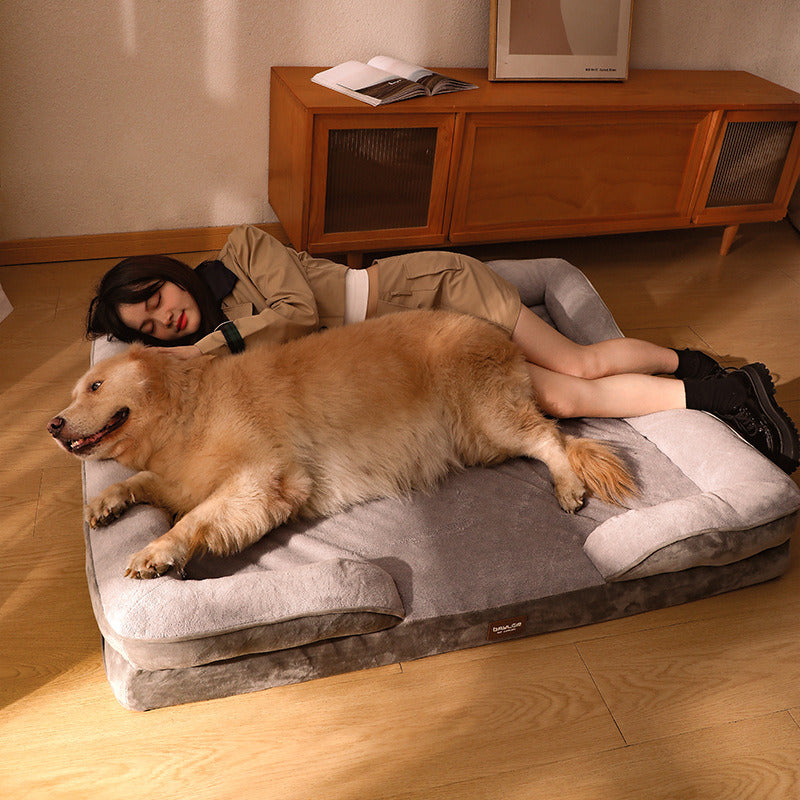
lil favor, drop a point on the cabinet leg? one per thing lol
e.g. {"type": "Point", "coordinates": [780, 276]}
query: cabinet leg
{"type": "Point", "coordinates": [355, 259]}
{"type": "Point", "coordinates": [728, 235]}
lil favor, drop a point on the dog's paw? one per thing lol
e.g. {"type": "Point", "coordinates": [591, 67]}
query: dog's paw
{"type": "Point", "coordinates": [107, 507]}
{"type": "Point", "coordinates": [153, 561]}
{"type": "Point", "coordinates": [570, 495]}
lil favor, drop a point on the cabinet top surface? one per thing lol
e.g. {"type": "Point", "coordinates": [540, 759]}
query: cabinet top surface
{"type": "Point", "coordinates": [677, 89]}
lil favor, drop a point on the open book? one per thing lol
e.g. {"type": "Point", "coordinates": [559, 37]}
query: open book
{"type": "Point", "coordinates": [386, 80]}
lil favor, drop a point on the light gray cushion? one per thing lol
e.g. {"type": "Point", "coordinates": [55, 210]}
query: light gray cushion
{"type": "Point", "coordinates": [745, 504]}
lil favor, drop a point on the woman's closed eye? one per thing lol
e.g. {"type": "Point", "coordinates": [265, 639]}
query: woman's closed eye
{"type": "Point", "coordinates": [154, 301]}
{"type": "Point", "coordinates": [151, 305]}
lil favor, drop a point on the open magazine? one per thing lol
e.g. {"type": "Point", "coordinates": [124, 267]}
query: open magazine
{"type": "Point", "coordinates": [386, 80]}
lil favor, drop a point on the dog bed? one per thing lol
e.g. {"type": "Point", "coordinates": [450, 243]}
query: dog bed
{"type": "Point", "coordinates": [489, 556]}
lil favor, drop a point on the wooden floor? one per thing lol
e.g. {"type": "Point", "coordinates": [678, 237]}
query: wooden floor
{"type": "Point", "coordinates": [699, 701]}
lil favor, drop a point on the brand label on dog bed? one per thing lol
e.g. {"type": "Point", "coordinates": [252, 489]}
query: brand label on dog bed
{"type": "Point", "coordinates": [506, 628]}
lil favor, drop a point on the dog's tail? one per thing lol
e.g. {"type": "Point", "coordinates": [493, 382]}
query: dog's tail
{"type": "Point", "coordinates": [601, 470]}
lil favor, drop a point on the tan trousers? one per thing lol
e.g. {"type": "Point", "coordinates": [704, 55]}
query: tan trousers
{"type": "Point", "coordinates": [449, 281]}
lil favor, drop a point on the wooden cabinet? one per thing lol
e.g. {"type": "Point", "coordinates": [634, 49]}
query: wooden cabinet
{"type": "Point", "coordinates": [527, 176]}
{"type": "Point", "coordinates": [665, 149]}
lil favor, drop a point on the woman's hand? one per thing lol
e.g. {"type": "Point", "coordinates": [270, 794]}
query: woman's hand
{"type": "Point", "coordinates": [184, 351]}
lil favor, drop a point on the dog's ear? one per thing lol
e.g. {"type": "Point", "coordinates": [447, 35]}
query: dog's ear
{"type": "Point", "coordinates": [152, 359]}
{"type": "Point", "coordinates": [138, 352]}
{"type": "Point", "coordinates": [150, 366]}
{"type": "Point", "coordinates": [165, 378]}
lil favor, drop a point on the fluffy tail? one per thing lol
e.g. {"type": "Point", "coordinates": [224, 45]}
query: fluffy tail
{"type": "Point", "coordinates": [601, 470]}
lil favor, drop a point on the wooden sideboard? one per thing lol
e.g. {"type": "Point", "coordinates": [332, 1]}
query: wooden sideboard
{"type": "Point", "coordinates": [518, 161]}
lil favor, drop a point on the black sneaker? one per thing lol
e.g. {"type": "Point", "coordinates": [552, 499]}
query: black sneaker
{"type": "Point", "coordinates": [760, 421]}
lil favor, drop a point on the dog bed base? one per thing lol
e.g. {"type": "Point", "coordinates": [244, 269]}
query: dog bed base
{"type": "Point", "coordinates": [142, 690]}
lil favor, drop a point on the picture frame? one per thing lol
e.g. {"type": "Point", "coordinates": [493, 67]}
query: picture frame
{"type": "Point", "coordinates": [562, 40]}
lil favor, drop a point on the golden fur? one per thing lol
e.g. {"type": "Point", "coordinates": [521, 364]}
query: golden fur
{"type": "Point", "coordinates": [235, 446]}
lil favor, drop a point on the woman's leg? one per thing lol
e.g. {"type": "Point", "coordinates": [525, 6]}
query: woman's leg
{"type": "Point", "coordinates": [630, 395]}
{"type": "Point", "coordinates": [546, 347]}
{"type": "Point", "coordinates": [619, 378]}
{"type": "Point", "coordinates": [614, 378]}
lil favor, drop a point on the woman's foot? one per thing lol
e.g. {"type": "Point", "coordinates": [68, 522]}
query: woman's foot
{"type": "Point", "coordinates": [745, 400]}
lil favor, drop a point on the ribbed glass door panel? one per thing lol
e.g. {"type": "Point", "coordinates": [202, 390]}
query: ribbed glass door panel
{"type": "Point", "coordinates": [379, 178]}
{"type": "Point", "coordinates": [750, 163]}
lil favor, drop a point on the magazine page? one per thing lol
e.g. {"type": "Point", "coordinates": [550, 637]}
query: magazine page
{"type": "Point", "coordinates": [368, 83]}
{"type": "Point", "coordinates": [412, 72]}
{"type": "Point", "coordinates": [434, 82]}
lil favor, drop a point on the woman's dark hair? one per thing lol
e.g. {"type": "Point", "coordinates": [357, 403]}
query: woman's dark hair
{"type": "Point", "coordinates": [134, 280]}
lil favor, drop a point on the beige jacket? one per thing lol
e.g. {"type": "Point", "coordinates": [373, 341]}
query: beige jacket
{"type": "Point", "coordinates": [282, 294]}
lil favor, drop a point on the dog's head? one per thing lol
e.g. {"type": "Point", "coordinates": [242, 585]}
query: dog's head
{"type": "Point", "coordinates": [108, 406]}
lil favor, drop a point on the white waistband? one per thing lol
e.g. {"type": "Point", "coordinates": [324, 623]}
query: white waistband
{"type": "Point", "coordinates": [356, 294]}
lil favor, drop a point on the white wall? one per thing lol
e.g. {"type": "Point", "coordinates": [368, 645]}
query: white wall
{"type": "Point", "coordinates": [759, 36]}
{"type": "Point", "coordinates": [124, 115]}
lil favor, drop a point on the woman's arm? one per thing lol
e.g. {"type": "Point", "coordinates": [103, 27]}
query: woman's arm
{"type": "Point", "coordinates": [272, 279]}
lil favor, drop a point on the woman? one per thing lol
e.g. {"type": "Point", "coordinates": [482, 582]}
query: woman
{"type": "Point", "coordinates": [260, 291]}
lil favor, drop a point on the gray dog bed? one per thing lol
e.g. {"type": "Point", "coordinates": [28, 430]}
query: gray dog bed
{"type": "Point", "coordinates": [488, 557]}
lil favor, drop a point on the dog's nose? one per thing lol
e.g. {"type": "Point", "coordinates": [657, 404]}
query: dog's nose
{"type": "Point", "coordinates": [55, 425]}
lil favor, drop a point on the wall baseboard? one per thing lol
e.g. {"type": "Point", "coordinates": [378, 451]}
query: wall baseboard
{"type": "Point", "coordinates": [121, 245]}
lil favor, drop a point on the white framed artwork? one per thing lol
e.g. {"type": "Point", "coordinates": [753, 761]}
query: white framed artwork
{"type": "Point", "coordinates": [559, 39]}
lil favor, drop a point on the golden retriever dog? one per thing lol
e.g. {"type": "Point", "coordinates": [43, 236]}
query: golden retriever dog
{"type": "Point", "coordinates": [235, 446]}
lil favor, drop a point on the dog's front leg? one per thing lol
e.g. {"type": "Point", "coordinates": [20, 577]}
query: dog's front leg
{"type": "Point", "coordinates": [115, 500]}
{"type": "Point", "coordinates": [235, 516]}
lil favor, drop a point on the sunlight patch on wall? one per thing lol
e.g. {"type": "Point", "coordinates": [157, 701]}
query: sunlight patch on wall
{"type": "Point", "coordinates": [127, 14]}
{"type": "Point", "coordinates": [229, 207]}
{"type": "Point", "coordinates": [220, 47]}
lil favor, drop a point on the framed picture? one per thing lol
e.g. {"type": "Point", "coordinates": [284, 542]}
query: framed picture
{"type": "Point", "coordinates": [569, 40]}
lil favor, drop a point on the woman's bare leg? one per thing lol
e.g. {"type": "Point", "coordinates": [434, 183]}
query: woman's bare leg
{"type": "Point", "coordinates": [546, 347]}
{"type": "Point", "coordinates": [629, 395]}
{"type": "Point", "coordinates": [614, 378]}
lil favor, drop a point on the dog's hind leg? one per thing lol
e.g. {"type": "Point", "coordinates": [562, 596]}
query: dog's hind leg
{"type": "Point", "coordinates": [577, 465]}
{"type": "Point", "coordinates": [520, 429]}
{"type": "Point", "coordinates": [235, 516]}
{"type": "Point", "coordinates": [541, 438]}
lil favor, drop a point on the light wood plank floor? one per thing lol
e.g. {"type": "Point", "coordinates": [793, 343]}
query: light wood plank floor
{"type": "Point", "coordinates": [699, 701]}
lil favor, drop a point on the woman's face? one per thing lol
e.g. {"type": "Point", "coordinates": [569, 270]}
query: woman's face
{"type": "Point", "coordinates": [169, 313]}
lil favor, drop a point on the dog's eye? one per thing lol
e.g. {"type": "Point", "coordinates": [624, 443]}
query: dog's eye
{"type": "Point", "coordinates": [95, 386]}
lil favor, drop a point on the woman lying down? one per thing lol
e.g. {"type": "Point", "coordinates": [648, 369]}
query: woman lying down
{"type": "Point", "coordinates": [260, 291]}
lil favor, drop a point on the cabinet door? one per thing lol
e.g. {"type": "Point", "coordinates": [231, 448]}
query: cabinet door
{"type": "Point", "coordinates": [541, 174]}
{"type": "Point", "coordinates": [379, 181]}
{"type": "Point", "coordinates": [753, 168]}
